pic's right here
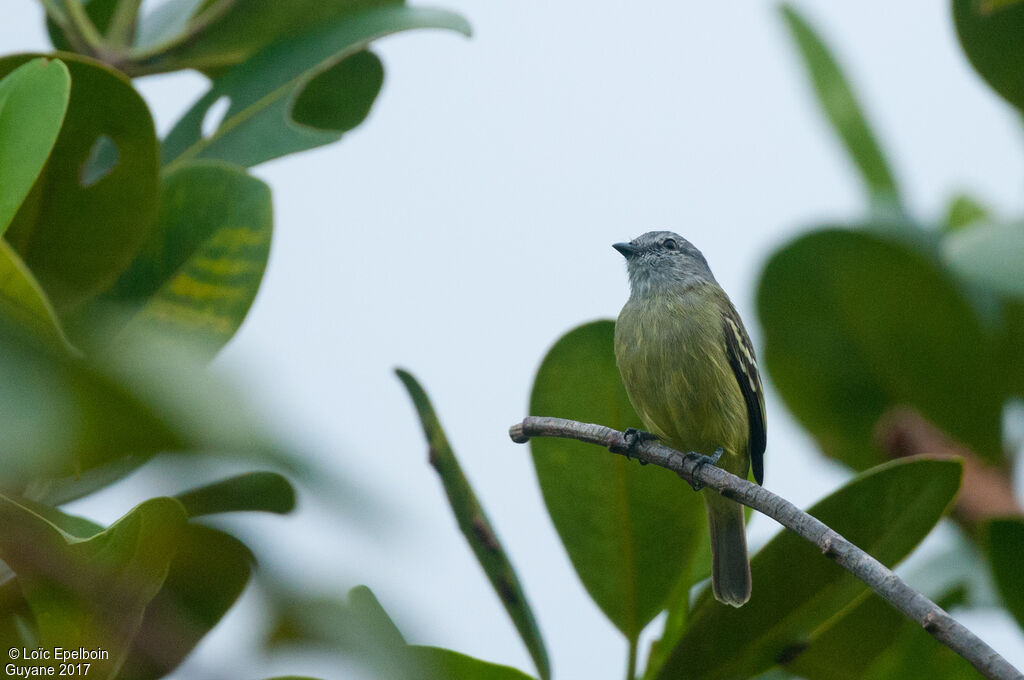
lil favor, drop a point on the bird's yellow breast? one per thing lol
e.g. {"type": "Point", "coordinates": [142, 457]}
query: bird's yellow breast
{"type": "Point", "coordinates": [672, 356]}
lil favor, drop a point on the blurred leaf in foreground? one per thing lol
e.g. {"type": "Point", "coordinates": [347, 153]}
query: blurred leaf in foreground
{"type": "Point", "coordinates": [840, 104]}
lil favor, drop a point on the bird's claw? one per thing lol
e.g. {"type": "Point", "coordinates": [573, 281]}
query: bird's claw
{"type": "Point", "coordinates": [701, 460]}
{"type": "Point", "coordinates": [634, 438]}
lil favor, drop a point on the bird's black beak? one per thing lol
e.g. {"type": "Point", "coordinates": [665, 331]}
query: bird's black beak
{"type": "Point", "coordinates": [627, 249]}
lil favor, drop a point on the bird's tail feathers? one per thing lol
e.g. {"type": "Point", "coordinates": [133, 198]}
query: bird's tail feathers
{"type": "Point", "coordinates": [730, 571]}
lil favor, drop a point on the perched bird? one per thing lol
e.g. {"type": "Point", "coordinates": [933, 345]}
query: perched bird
{"type": "Point", "coordinates": [691, 374]}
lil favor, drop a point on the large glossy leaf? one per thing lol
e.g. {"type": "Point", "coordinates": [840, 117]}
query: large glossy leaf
{"type": "Point", "coordinates": [56, 230]}
{"type": "Point", "coordinates": [265, 90]}
{"type": "Point", "coordinates": [840, 104]}
{"type": "Point", "coordinates": [885, 511]}
{"type": "Point", "coordinates": [434, 663]}
{"type": "Point", "coordinates": [251, 491]}
{"type": "Point", "coordinates": [1006, 554]}
{"type": "Point", "coordinates": [873, 640]}
{"type": "Point", "coordinates": [22, 298]}
{"type": "Point", "coordinates": [33, 101]}
{"type": "Point", "coordinates": [989, 255]}
{"type": "Point", "coordinates": [678, 610]}
{"type": "Point", "coordinates": [476, 527]}
{"type": "Point", "coordinates": [855, 324]}
{"type": "Point", "coordinates": [209, 572]}
{"type": "Point", "coordinates": [200, 268]}
{"type": "Point", "coordinates": [631, 532]}
{"type": "Point", "coordinates": [91, 593]}
{"type": "Point", "coordinates": [990, 36]}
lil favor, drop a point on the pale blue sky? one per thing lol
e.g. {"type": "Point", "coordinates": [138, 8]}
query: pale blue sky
{"type": "Point", "coordinates": [468, 224]}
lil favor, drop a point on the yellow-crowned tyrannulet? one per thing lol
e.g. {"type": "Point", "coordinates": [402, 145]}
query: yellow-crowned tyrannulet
{"type": "Point", "coordinates": [691, 374]}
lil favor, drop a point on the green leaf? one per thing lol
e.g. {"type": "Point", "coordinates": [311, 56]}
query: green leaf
{"type": "Point", "coordinates": [873, 640]}
{"type": "Point", "coordinates": [1006, 555]}
{"type": "Point", "coordinates": [232, 32]}
{"type": "Point", "coordinates": [55, 231]}
{"type": "Point", "coordinates": [22, 298]}
{"type": "Point", "coordinates": [345, 625]}
{"type": "Point", "coordinates": [200, 268]}
{"type": "Point", "coordinates": [885, 511]}
{"type": "Point", "coordinates": [989, 255]}
{"type": "Point", "coordinates": [340, 98]}
{"type": "Point", "coordinates": [91, 593]}
{"type": "Point", "coordinates": [73, 425]}
{"type": "Point", "coordinates": [33, 101]}
{"type": "Point", "coordinates": [631, 532]}
{"type": "Point", "coordinates": [252, 491]}
{"type": "Point", "coordinates": [208, 574]}
{"type": "Point", "coordinates": [678, 610]}
{"type": "Point", "coordinates": [989, 33]}
{"type": "Point", "coordinates": [79, 527]}
{"type": "Point", "coordinates": [963, 211]}
{"type": "Point", "coordinates": [476, 527]}
{"type": "Point", "coordinates": [855, 324]}
{"type": "Point", "coordinates": [358, 628]}
{"type": "Point", "coordinates": [846, 649]}
{"type": "Point", "coordinates": [259, 123]}
{"type": "Point", "coordinates": [68, 426]}
{"type": "Point", "coordinates": [840, 104]}
{"type": "Point", "coordinates": [1012, 346]}
{"type": "Point", "coordinates": [211, 416]}
{"type": "Point", "coordinates": [918, 656]}
{"type": "Point", "coordinates": [444, 664]}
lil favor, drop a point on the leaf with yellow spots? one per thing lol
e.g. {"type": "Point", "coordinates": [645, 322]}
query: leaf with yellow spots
{"type": "Point", "coordinates": [198, 272]}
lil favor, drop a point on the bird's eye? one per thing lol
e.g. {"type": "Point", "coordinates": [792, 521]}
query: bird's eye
{"type": "Point", "coordinates": [670, 244]}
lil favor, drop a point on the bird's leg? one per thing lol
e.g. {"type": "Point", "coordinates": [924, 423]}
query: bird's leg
{"type": "Point", "coordinates": [704, 460]}
{"type": "Point", "coordinates": [634, 438]}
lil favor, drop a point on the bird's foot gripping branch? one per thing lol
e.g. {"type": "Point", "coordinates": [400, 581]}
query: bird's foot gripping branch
{"type": "Point", "coordinates": [863, 566]}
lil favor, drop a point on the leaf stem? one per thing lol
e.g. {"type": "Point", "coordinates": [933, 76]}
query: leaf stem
{"type": "Point", "coordinates": [631, 663]}
{"type": "Point", "coordinates": [123, 23]}
{"type": "Point", "coordinates": [80, 30]}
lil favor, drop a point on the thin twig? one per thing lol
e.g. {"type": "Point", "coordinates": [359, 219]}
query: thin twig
{"type": "Point", "coordinates": [865, 567]}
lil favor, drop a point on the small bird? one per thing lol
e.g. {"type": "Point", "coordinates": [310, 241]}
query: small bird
{"type": "Point", "coordinates": [691, 374]}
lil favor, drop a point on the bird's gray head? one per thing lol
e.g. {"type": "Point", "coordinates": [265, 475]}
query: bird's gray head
{"type": "Point", "coordinates": [663, 261]}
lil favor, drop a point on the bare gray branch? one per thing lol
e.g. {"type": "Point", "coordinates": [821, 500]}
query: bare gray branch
{"type": "Point", "coordinates": [882, 580]}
